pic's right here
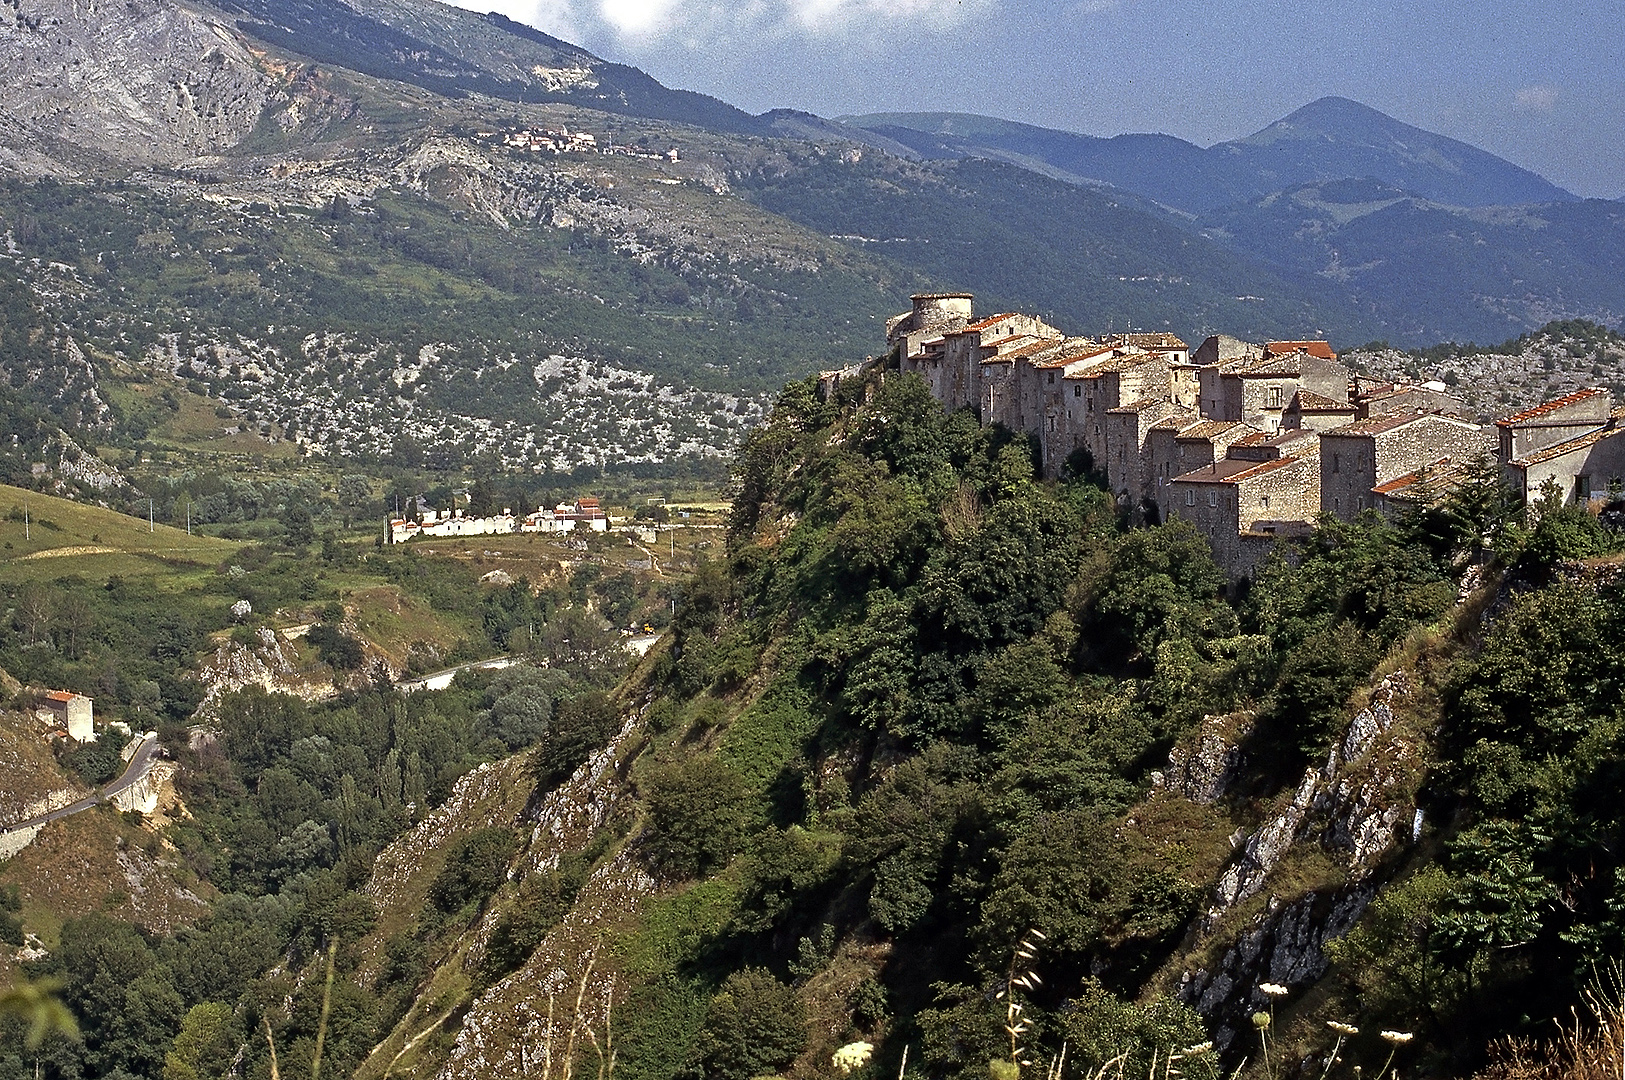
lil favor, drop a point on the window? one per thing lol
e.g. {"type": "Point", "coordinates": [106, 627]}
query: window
{"type": "Point", "coordinates": [1077, 391]}
{"type": "Point", "coordinates": [1213, 498]}
{"type": "Point", "coordinates": [1272, 398]}
{"type": "Point", "coordinates": [1582, 487]}
{"type": "Point", "coordinates": [1359, 504]}
{"type": "Point", "coordinates": [1052, 378]}
{"type": "Point", "coordinates": [1337, 463]}
{"type": "Point", "coordinates": [1190, 497]}
{"type": "Point", "coordinates": [1264, 501]}
{"type": "Point", "coordinates": [1337, 504]}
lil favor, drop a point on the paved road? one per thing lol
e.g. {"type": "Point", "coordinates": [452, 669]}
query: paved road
{"type": "Point", "coordinates": [140, 765]}
{"type": "Point", "coordinates": [442, 679]}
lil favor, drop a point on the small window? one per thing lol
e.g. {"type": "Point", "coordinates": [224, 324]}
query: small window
{"type": "Point", "coordinates": [1213, 498]}
{"type": "Point", "coordinates": [1052, 378]}
{"type": "Point", "coordinates": [1582, 487]}
{"type": "Point", "coordinates": [1264, 501]}
{"type": "Point", "coordinates": [1337, 463]}
{"type": "Point", "coordinates": [1077, 391]}
{"type": "Point", "coordinates": [1359, 503]}
{"type": "Point", "coordinates": [1272, 397]}
{"type": "Point", "coordinates": [1337, 504]}
{"type": "Point", "coordinates": [1269, 530]}
{"type": "Point", "coordinates": [1190, 497]}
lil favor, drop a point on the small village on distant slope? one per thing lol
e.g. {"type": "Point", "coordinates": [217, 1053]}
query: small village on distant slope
{"type": "Point", "coordinates": [1250, 442]}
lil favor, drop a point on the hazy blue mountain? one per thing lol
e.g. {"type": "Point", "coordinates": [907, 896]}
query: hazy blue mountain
{"type": "Point", "coordinates": [1329, 139]}
{"type": "Point", "coordinates": [1432, 272]}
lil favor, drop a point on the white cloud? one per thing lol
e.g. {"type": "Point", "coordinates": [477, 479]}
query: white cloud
{"type": "Point", "coordinates": [699, 24]}
{"type": "Point", "coordinates": [1538, 98]}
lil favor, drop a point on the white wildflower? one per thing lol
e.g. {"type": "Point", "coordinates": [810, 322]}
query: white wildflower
{"type": "Point", "coordinates": [1273, 989]}
{"type": "Point", "coordinates": [1342, 1028]}
{"type": "Point", "coordinates": [1398, 1037]}
{"type": "Point", "coordinates": [852, 1056]}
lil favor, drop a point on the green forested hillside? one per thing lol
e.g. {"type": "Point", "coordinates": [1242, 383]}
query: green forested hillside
{"type": "Point", "coordinates": [909, 739]}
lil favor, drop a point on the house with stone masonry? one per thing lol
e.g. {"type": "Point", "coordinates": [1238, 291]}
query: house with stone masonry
{"type": "Point", "coordinates": [1244, 507]}
{"type": "Point", "coordinates": [1250, 442]}
{"type": "Point", "coordinates": [1176, 446]}
{"type": "Point", "coordinates": [1358, 458]}
{"type": "Point", "coordinates": [1523, 436]}
{"type": "Point", "coordinates": [74, 713]}
{"type": "Point", "coordinates": [1587, 467]}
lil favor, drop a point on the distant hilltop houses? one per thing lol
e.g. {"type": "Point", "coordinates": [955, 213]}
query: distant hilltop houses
{"type": "Point", "coordinates": [584, 513]}
{"type": "Point", "coordinates": [1250, 442]}
{"type": "Point", "coordinates": [565, 141]}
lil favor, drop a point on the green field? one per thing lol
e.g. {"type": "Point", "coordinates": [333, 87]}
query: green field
{"type": "Point", "coordinates": [43, 538]}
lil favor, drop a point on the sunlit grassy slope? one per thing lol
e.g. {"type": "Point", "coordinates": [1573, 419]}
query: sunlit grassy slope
{"type": "Point", "coordinates": [62, 537]}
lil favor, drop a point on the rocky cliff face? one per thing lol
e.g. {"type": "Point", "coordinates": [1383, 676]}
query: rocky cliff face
{"type": "Point", "coordinates": [1355, 809]}
{"type": "Point", "coordinates": [144, 81]}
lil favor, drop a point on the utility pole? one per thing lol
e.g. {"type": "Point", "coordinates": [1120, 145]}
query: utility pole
{"type": "Point", "coordinates": [150, 526]}
{"type": "Point", "coordinates": [28, 532]}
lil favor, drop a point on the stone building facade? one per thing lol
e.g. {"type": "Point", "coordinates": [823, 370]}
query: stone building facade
{"type": "Point", "coordinates": [1251, 442]}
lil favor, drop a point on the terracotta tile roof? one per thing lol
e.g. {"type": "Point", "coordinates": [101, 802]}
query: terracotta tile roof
{"type": "Point", "coordinates": [1309, 401]}
{"type": "Point", "coordinates": [1066, 358]}
{"type": "Point", "coordinates": [1568, 446]}
{"type": "Point", "coordinates": [1381, 425]}
{"type": "Point", "coordinates": [1117, 364]}
{"type": "Point", "coordinates": [1319, 349]}
{"type": "Point", "coordinates": [1006, 340]}
{"type": "Point", "coordinates": [1148, 403]}
{"type": "Point", "coordinates": [1155, 341]}
{"type": "Point", "coordinates": [1208, 430]}
{"type": "Point", "coordinates": [1429, 481]}
{"type": "Point", "coordinates": [1257, 438]}
{"type": "Point", "coordinates": [989, 322]}
{"type": "Point", "coordinates": [60, 696]}
{"type": "Point", "coordinates": [1234, 470]}
{"type": "Point", "coordinates": [1550, 406]}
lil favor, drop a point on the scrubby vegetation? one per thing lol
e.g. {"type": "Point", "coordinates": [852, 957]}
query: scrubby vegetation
{"type": "Point", "coordinates": [896, 760]}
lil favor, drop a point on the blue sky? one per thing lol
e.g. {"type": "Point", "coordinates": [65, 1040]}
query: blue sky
{"type": "Point", "coordinates": [1541, 84]}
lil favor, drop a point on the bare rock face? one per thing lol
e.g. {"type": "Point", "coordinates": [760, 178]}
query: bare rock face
{"type": "Point", "coordinates": [1284, 946]}
{"type": "Point", "coordinates": [140, 81]}
{"type": "Point", "coordinates": [1353, 807]}
{"type": "Point", "coordinates": [1203, 771]}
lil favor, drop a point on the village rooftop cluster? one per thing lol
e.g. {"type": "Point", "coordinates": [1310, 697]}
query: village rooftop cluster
{"type": "Point", "coordinates": [565, 141]}
{"type": "Point", "coordinates": [584, 513]}
{"type": "Point", "coordinates": [1250, 442]}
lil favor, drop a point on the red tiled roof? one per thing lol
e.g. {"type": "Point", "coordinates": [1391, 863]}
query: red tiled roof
{"type": "Point", "coordinates": [1319, 349]}
{"type": "Point", "coordinates": [1309, 401]}
{"type": "Point", "coordinates": [1066, 358]}
{"type": "Point", "coordinates": [1155, 341]}
{"type": "Point", "coordinates": [1550, 406]}
{"type": "Point", "coordinates": [1207, 429]}
{"type": "Point", "coordinates": [1234, 470]}
{"type": "Point", "coordinates": [988, 322]}
{"type": "Point", "coordinates": [1566, 447]}
{"type": "Point", "coordinates": [63, 696]}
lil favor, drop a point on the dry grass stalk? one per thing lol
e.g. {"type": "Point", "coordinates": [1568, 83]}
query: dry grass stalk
{"type": "Point", "coordinates": [575, 1020]}
{"type": "Point", "coordinates": [271, 1042]}
{"type": "Point", "coordinates": [1590, 1044]}
{"type": "Point", "coordinates": [327, 1004]}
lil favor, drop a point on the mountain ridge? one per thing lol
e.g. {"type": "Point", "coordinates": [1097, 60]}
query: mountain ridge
{"type": "Point", "coordinates": [1335, 138]}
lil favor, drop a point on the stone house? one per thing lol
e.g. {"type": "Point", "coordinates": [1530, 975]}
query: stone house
{"type": "Point", "coordinates": [1358, 458]}
{"type": "Point", "coordinates": [1128, 462]}
{"type": "Point", "coordinates": [73, 712]}
{"type": "Point", "coordinates": [1095, 391]}
{"type": "Point", "coordinates": [1316, 412]}
{"type": "Point", "coordinates": [1243, 507]}
{"type": "Point", "coordinates": [1550, 423]}
{"type": "Point", "coordinates": [1590, 467]}
{"type": "Point", "coordinates": [1259, 391]}
{"type": "Point", "coordinates": [1392, 399]}
{"type": "Point", "coordinates": [1176, 446]}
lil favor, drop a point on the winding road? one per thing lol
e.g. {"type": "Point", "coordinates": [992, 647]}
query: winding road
{"type": "Point", "coordinates": [139, 766]}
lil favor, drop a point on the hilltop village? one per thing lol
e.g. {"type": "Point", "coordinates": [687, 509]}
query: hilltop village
{"type": "Point", "coordinates": [1250, 442]}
